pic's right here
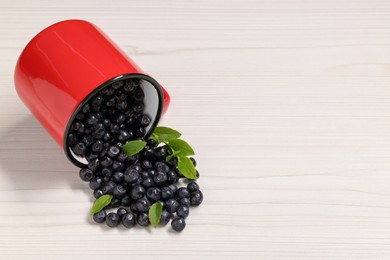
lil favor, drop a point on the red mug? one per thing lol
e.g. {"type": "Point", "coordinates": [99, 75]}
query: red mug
{"type": "Point", "coordinates": [64, 65]}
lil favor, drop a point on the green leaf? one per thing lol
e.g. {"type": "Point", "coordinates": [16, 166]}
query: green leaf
{"type": "Point", "coordinates": [133, 147]}
{"type": "Point", "coordinates": [155, 212]}
{"type": "Point", "coordinates": [100, 203]}
{"type": "Point", "coordinates": [165, 134]}
{"type": "Point", "coordinates": [182, 146]}
{"type": "Point", "coordinates": [186, 167]}
{"type": "Point", "coordinates": [173, 154]}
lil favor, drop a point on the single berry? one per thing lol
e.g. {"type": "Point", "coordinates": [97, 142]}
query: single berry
{"type": "Point", "coordinates": [183, 193]}
{"type": "Point", "coordinates": [196, 198]}
{"type": "Point", "coordinates": [79, 148]}
{"type": "Point", "coordinates": [166, 193]}
{"type": "Point", "coordinates": [165, 218]}
{"type": "Point", "coordinates": [121, 212]}
{"type": "Point", "coordinates": [97, 146]}
{"type": "Point", "coordinates": [86, 174]}
{"type": "Point", "coordinates": [161, 167]}
{"type": "Point", "coordinates": [106, 162]}
{"type": "Point", "coordinates": [146, 165]}
{"type": "Point", "coordinates": [113, 151]}
{"type": "Point", "coordinates": [95, 183]}
{"type": "Point", "coordinates": [142, 205]}
{"type": "Point", "coordinates": [112, 219]}
{"type": "Point", "coordinates": [119, 191]}
{"type": "Point", "coordinates": [118, 166]}
{"type": "Point", "coordinates": [128, 220]}
{"type": "Point", "coordinates": [147, 182]}
{"type": "Point", "coordinates": [153, 194]}
{"type": "Point", "coordinates": [98, 193]}
{"type": "Point", "coordinates": [185, 202]}
{"type": "Point", "coordinates": [131, 175]}
{"type": "Point", "coordinates": [178, 224]}
{"type": "Point", "coordinates": [143, 219]}
{"type": "Point", "coordinates": [183, 211]}
{"type": "Point", "coordinates": [160, 178]}
{"type": "Point", "coordinates": [126, 201]}
{"type": "Point", "coordinates": [100, 217]}
{"type": "Point", "coordinates": [171, 205]}
{"type": "Point", "coordinates": [192, 186]}
{"type": "Point", "coordinates": [88, 140]}
{"type": "Point", "coordinates": [137, 192]}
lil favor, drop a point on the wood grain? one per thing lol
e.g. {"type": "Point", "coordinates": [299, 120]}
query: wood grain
{"type": "Point", "coordinates": [287, 104]}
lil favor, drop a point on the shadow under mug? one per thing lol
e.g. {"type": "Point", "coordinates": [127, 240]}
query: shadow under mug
{"type": "Point", "coordinates": [65, 65]}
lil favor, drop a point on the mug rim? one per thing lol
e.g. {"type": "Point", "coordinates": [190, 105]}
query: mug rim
{"type": "Point", "coordinates": [107, 83]}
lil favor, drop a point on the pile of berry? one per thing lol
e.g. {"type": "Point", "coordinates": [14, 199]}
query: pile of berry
{"type": "Point", "coordinates": [132, 183]}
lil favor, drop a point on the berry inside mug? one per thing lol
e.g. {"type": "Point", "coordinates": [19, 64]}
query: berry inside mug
{"type": "Point", "coordinates": [71, 75]}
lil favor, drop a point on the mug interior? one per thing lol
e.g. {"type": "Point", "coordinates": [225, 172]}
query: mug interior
{"type": "Point", "coordinates": [153, 101]}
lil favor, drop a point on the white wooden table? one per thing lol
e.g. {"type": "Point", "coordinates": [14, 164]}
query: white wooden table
{"type": "Point", "coordinates": [287, 104]}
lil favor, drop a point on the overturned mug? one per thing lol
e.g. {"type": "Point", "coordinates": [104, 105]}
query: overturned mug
{"type": "Point", "coordinates": [68, 63]}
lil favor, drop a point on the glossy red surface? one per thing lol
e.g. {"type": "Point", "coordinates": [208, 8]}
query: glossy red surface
{"type": "Point", "coordinates": [63, 64]}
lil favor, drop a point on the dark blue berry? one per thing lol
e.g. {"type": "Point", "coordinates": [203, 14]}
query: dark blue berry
{"type": "Point", "coordinates": [137, 192]}
{"type": "Point", "coordinates": [161, 167]}
{"type": "Point", "coordinates": [97, 146]}
{"type": "Point", "coordinates": [196, 198]}
{"type": "Point", "coordinates": [161, 153]}
{"type": "Point", "coordinates": [131, 175]}
{"type": "Point", "coordinates": [98, 193]}
{"type": "Point", "coordinates": [106, 162]}
{"type": "Point", "coordinates": [106, 172]}
{"type": "Point", "coordinates": [117, 84]}
{"type": "Point", "coordinates": [183, 193]}
{"type": "Point", "coordinates": [152, 142]}
{"type": "Point", "coordinates": [100, 217]}
{"type": "Point", "coordinates": [88, 140]}
{"type": "Point", "coordinates": [185, 202]}
{"type": "Point", "coordinates": [142, 205]}
{"type": "Point", "coordinates": [95, 183]}
{"type": "Point", "coordinates": [172, 177]}
{"type": "Point", "coordinates": [165, 218]}
{"type": "Point", "coordinates": [153, 194]}
{"type": "Point", "coordinates": [146, 165]}
{"type": "Point", "coordinates": [128, 220]}
{"type": "Point", "coordinates": [140, 132]}
{"type": "Point", "coordinates": [80, 148]}
{"type": "Point", "coordinates": [113, 151]}
{"type": "Point", "coordinates": [94, 164]}
{"type": "Point", "coordinates": [86, 174]}
{"type": "Point", "coordinates": [121, 212]}
{"type": "Point", "coordinates": [122, 105]}
{"type": "Point", "coordinates": [123, 136]}
{"type": "Point", "coordinates": [147, 182]}
{"type": "Point", "coordinates": [112, 219]}
{"type": "Point", "coordinates": [72, 139]}
{"type": "Point", "coordinates": [122, 157]}
{"type": "Point", "coordinates": [183, 211]}
{"type": "Point", "coordinates": [171, 205]}
{"type": "Point", "coordinates": [193, 161]}
{"type": "Point", "coordinates": [192, 186]}
{"type": "Point", "coordinates": [119, 191]}
{"type": "Point", "coordinates": [166, 193]}
{"type": "Point", "coordinates": [91, 119]}
{"type": "Point", "coordinates": [160, 178]}
{"type": "Point", "coordinates": [118, 177]}
{"type": "Point", "coordinates": [126, 201]}
{"type": "Point", "coordinates": [118, 166]}
{"type": "Point", "coordinates": [178, 224]}
{"type": "Point", "coordinates": [145, 120]}
{"type": "Point", "coordinates": [143, 219]}
{"type": "Point", "coordinates": [115, 202]}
